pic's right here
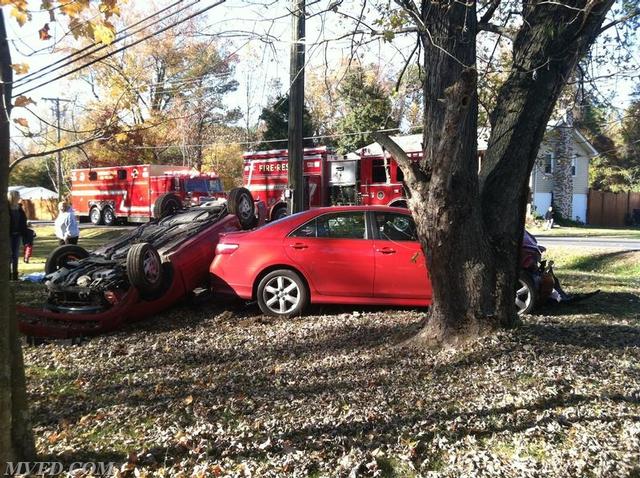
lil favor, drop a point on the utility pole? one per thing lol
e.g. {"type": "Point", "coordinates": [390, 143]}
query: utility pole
{"type": "Point", "coordinates": [59, 161]}
{"type": "Point", "coordinates": [296, 108]}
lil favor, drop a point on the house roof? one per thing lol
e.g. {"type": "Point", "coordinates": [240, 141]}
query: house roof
{"type": "Point", "coordinates": [412, 143]}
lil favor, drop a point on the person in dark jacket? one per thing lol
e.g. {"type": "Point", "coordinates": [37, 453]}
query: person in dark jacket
{"type": "Point", "coordinates": [17, 229]}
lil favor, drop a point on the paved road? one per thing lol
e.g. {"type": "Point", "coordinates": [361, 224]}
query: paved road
{"type": "Point", "coordinates": [605, 242]}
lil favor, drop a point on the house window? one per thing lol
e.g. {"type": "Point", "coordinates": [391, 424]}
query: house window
{"type": "Point", "coordinates": [573, 164]}
{"type": "Point", "coordinates": [122, 174]}
{"type": "Point", "coordinates": [549, 163]}
{"type": "Point", "coordinates": [93, 176]}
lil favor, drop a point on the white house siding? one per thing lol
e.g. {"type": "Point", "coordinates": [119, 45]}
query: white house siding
{"type": "Point", "coordinates": [579, 207]}
{"type": "Point", "coordinates": [542, 201]}
{"type": "Point", "coordinates": [581, 179]}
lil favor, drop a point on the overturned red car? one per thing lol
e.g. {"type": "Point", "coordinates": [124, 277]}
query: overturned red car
{"type": "Point", "coordinates": [136, 275]}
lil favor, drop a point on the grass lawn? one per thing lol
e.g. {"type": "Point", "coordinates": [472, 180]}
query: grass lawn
{"type": "Point", "coordinates": [587, 231]}
{"type": "Point", "coordinates": [45, 242]}
{"type": "Point", "coordinates": [216, 389]}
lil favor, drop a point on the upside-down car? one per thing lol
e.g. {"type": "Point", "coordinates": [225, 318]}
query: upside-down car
{"type": "Point", "coordinates": [138, 274]}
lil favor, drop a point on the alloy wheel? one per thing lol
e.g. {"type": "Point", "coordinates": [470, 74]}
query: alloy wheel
{"type": "Point", "coordinates": [523, 296]}
{"type": "Point", "coordinates": [151, 267]}
{"type": "Point", "coordinates": [281, 295]}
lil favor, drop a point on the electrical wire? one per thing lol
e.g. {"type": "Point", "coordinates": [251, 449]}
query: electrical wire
{"type": "Point", "coordinates": [96, 60]}
{"type": "Point", "coordinates": [30, 77]}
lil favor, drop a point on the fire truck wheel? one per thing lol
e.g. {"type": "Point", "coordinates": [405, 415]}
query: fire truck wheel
{"type": "Point", "coordinates": [108, 216]}
{"type": "Point", "coordinates": [165, 205]}
{"type": "Point", "coordinates": [95, 215]}
{"type": "Point", "coordinates": [241, 204]}
{"type": "Point", "coordinates": [144, 268]}
{"type": "Point", "coordinates": [60, 256]}
{"type": "Point", "coordinates": [279, 213]}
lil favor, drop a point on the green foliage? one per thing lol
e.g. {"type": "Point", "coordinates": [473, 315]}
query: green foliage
{"type": "Point", "coordinates": [276, 123]}
{"type": "Point", "coordinates": [33, 173]}
{"type": "Point", "coordinates": [617, 168]}
{"type": "Point", "coordinates": [367, 108]}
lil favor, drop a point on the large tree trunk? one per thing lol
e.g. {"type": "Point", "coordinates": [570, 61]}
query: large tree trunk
{"type": "Point", "coordinates": [16, 439]}
{"type": "Point", "coordinates": [471, 224]}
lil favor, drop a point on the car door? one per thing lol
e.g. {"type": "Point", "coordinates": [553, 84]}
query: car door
{"type": "Point", "coordinates": [335, 253]}
{"type": "Point", "coordinates": [400, 266]}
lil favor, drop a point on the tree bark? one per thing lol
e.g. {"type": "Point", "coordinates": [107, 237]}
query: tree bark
{"type": "Point", "coordinates": [470, 224]}
{"type": "Point", "coordinates": [16, 438]}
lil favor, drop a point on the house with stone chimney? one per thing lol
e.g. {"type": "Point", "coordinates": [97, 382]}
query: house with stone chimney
{"type": "Point", "coordinates": [560, 176]}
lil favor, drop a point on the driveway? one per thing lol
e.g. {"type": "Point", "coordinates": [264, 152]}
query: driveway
{"type": "Point", "coordinates": [604, 242]}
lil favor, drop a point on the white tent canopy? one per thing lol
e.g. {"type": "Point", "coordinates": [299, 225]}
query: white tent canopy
{"type": "Point", "coordinates": [37, 192]}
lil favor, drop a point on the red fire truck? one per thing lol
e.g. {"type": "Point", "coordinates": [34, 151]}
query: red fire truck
{"type": "Point", "coordinates": [138, 193]}
{"type": "Point", "coordinates": [369, 178]}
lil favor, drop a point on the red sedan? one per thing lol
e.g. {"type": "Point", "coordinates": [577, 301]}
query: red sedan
{"type": "Point", "coordinates": [338, 255]}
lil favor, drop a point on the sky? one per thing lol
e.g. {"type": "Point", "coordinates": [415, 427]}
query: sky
{"type": "Point", "coordinates": [243, 22]}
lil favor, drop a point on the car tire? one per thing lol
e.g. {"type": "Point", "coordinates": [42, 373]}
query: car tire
{"type": "Point", "coordinates": [279, 213]}
{"type": "Point", "coordinates": [526, 295]}
{"type": "Point", "coordinates": [108, 216]}
{"type": "Point", "coordinates": [282, 293]}
{"type": "Point", "coordinates": [240, 203]}
{"type": "Point", "coordinates": [95, 216]}
{"type": "Point", "coordinates": [165, 205]}
{"type": "Point", "coordinates": [61, 255]}
{"type": "Point", "coordinates": [144, 268]}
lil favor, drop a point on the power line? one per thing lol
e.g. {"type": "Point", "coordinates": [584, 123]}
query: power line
{"type": "Point", "coordinates": [96, 60]}
{"type": "Point", "coordinates": [25, 79]}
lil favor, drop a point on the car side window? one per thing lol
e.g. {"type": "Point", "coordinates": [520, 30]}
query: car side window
{"type": "Point", "coordinates": [395, 227]}
{"type": "Point", "coordinates": [342, 225]}
{"type": "Point", "coordinates": [306, 230]}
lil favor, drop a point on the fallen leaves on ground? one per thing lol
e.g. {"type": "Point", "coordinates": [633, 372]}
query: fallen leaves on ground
{"type": "Point", "coordinates": [215, 390]}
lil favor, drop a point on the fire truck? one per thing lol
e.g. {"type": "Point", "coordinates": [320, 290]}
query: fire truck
{"type": "Point", "coordinates": [138, 193]}
{"type": "Point", "coordinates": [370, 177]}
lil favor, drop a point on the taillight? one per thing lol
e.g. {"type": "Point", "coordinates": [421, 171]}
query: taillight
{"type": "Point", "coordinates": [111, 297]}
{"type": "Point", "coordinates": [226, 248]}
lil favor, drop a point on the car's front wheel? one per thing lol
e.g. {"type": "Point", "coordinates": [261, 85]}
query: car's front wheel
{"type": "Point", "coordinates": [282, 293]}
{"type": "Point", "coordinates": [526, 294]}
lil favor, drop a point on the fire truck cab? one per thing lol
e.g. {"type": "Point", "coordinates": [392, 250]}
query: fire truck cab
{"type": "Point", "coordinates": [132, 193]}
{"type": "Point", "coordinates": [367, 178]}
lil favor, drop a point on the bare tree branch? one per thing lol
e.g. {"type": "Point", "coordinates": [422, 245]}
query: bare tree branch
{"type": "Point", "coordinates": [499, 29]}
{"type": "Point", "coordinates": [633, 14]}
{"type": "Point", "coordinates": [493, 6]}
{"type": "Point", "coordinates": [52, 151]}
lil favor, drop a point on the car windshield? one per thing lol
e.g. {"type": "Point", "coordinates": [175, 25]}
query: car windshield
{"type": "Point", "coordinates": [202, 185]}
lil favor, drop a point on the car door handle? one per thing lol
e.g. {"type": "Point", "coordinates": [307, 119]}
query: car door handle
{"type": "Point", "coordinates": [299, 245]}
{"type": "Point", "coordinates": [386, 250]}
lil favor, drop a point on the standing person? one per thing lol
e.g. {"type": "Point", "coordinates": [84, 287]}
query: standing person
{"type": "Point", "coordinates": [548, 218]}
{"type": "Point", "coordinates": [27, 242]}
{"type": "Point", "coordinates": [17, 229]}
{"type": "Point", "coordinates": [66, 225]}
